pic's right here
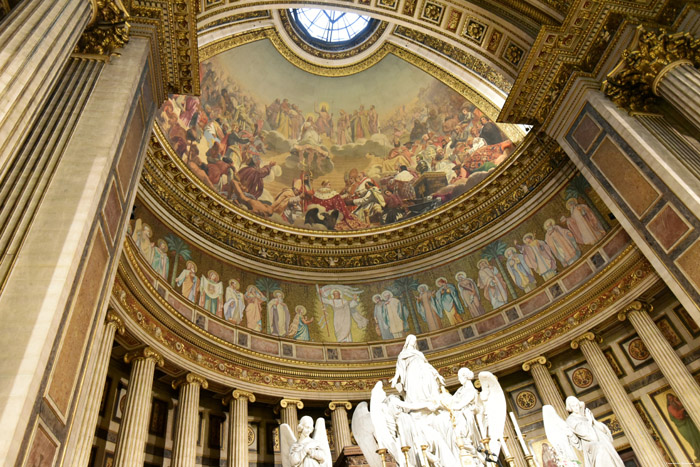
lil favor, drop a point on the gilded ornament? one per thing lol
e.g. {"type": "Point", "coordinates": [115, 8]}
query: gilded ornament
{"type": "Point", "coordinates": [541, 360]}
{"type": "Point", "coordinates": [582, 377]}
{"type": "Point", "coordinates": [588, 336]}
{"type": "Point", "coordinates": [113, 317]}
{"type": "Point", "coordinates": [284, 403]}
{"type": "Point", "coordinates": [190, 378]}
{"type": "Point", "coordinates": [636, 305]}
{"type": "Point", "coordinates": [144, 353]}
{"type": "Point", "coordinates": [108, 30]}
{"type": "Point", "coordinates": [632, 85]}
{"type": "Point", "coordinates": [526, 400]}
{"type": "Point", "coordinates": [338, 404]}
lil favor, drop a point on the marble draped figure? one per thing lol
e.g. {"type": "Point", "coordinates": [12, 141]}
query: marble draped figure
{"type": "Point", "coordinates": [582, 432]}
{"type": "Point", "coordinates": [426, 426]}
{"type": "Point", "coordinates": [308, 450]}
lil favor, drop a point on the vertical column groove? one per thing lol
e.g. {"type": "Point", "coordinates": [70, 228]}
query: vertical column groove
{"type": "Point", "coordinates": [545, 384]}
{"type": "Point", "coordinates": [185, 449]}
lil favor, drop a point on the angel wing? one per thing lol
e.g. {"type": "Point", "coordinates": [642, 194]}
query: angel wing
{"type": "Point", "coordinates": [287, 438]}
{"type": "Point", "coordinates": [363, 430]}
{"type": "Point", "coordinates": [321, 437]}
{"type": "Point", "coordinates": [559, 434]}
{"type": "Point", "coordinates": [382, 420]}
{"type": "Point", "coordinates": [494, 402]}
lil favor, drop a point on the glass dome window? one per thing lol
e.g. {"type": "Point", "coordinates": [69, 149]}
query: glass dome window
{"type": "Point", "coordinates": [332, 29]}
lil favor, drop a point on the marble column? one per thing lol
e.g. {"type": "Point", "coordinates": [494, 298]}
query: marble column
{"type": "Point", "coordinates": [639, 438]}
{"type": "Point", "coordinates": [340, 425]}
{"type": "Point", "coordinates": [36, 41]}
{"type": "Point", "coordinates": [288, 412]}
{"type": "Point", "coordinates": [81, 451]}
{"type": "Point", "coordinates": [545, 384]}
{"type": "Point", "coordinates": [679, 85]}
{"type": "Point", "coordinates": [238, 427]}
{"type": "Point", "coordinates": [185, 448]}
{"type": "Point", "coordinates": [673, 368]}
{"type": "Point", "coordinates": [133, 431]}
{"type": "Point", "coordinates": [517, 458]}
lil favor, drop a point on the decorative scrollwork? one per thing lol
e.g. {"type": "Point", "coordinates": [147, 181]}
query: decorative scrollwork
{"type": "Point", "coordinates": [108, 30]}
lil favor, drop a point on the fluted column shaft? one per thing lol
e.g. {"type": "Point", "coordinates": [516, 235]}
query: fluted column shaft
{"type": "Point", "coordinates": [131, 441]}
{"type": "Point", "coordinates": [514, 448]}
{"type": "Point", "coordinates": [185, 449]}
{"type": "Point", "coordinates": [670, 364]}
{"type": "Point", "coordinates": [341, 427]}
{"type": "Point", "coordinates": [639, 438]}
{"type": "Point", "coordinates": [288, 412]}
{"type": "Point", "coordinates": [98, 376]}
{"type": "Point", "coordinates": [36, 41]}
{"type": "Point", "coordinates": [680, 87]}
{"type": "Point", "coordinates": [238, 427]}
{"type": "Point", "coordinates": [545, 384]}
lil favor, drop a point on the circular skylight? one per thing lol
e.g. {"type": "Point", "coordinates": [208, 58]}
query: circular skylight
{"type": "Point", "coordinates": [332, 27]}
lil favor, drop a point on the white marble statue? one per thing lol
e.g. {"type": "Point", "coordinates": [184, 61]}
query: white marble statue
{"type": "Point", "coordinates": [580, 431]}
{"type": "Point", "coordinates": [426, 426]}
{"type": "Point", "coordinates": [308, 450]}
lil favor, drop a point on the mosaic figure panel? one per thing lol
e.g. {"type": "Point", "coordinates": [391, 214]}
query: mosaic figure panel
{"type": "Point", "coordinates": [330, 153]}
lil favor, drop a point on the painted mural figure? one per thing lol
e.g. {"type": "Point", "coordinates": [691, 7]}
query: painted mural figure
{"type": "Point", "coordinates": [684, 423]}
{"type": "Point", "coordinates": [428, 308]}
{"type": "Point", "coordinates": [562, 243]}
{"type": "Point", "coordinates": [235, 302]}
{"type": "Point", "coordinates": [253, 310]}
{"type": "Point", "coordinates": [492, 283]}
{"type": "Point", "coordinates": [299, 327]}
{"type": "Point", "coordinates": [381, 317]}
{"type": "Point", "coordinates": [161, 262]}
{"type": "Point", "coordinates": [344, 303]}
{"type": "Point", "coordinates": [538, 256]}
{"type": "Point", "coordinates": [470, 294]}
{"type": "Point", "coordinates": [142, 237]}
{"type": "Point", "coordinates": [448, 299]}
{"type": "Point", "coordinates": [277, 314]}
{"type": "Point", "coordinates": [187, 280]}
{"type": "Point", "coordinates": [396, 314]}
{"type": "Point", "coordinates": [519, 271]}
{"type": "Point", "coordinates": [211, 292]}
{"type": "Point", "coordinates": [583, 223]}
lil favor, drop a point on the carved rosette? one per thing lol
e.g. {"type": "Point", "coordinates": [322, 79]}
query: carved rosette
{"type": "Point", "coordinates": [108, 30]}
{"type": "Point", "coordinates": [632, 84]}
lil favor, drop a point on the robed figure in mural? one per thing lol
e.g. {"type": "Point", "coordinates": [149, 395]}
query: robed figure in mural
{"type": "Point", "coordinates": [277, 314]}
{"type": "Point", "coordinates": [253, 310]}
{"type": "Point", "coordinates": [562, 242]}
{"type": "Point", "coordinates": [211, 292]}
{"type": "Point", "coordinates": [235, 302]}
{"type": "Point", "coordinates": [538, 256]}
{"type": "Point", "coordinates": [492, 283]}
{"type": "Point", "coordinates": [396, 314]}
{"type": "Point", "coordinates": [188, 281]}
{"type": "Point", "coordinates": [519, 271]}
{"type": "Point", "coordinates": [344, 301]}
{"type": "Point", "coordinates": [470, 294]}
{"type": "Point", "coordinates": [448, 299]}
{"type": "Point", "coordinates": [428, 308]}
{"type": "Point", "coordinates": [161, 262]}
{"type": "Point", "coordinates": [684, 423]}
{"type": "Point", "coordinates": [583, 223]}
{"type": "Point", "coordinates": [299, 327]}
{"type": "Point", "coordinates": [381, 317]}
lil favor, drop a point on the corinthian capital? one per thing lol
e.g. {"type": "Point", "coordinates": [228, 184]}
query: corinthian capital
{"type": "Point", "coordinates": [653, 53]}
{"type": "Point", "coordinates": [108, 30]}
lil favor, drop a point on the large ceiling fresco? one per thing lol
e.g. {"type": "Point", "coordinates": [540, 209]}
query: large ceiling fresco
{"type": "Point", "coordinates": [330, 153]}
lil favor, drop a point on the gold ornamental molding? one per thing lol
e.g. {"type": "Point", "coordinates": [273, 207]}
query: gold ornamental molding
{"type": "Point", "coordinates": [107, 31]}
{"type": "Point", "coordinates": [190, 378]}
{"type": "Point", "coordinates": [113, 317]}
{"type": "Point", "coordinates": [340, 404]}
{"type": "Point", "coordinates": [636, 305]}
{"type": "Point", "coordinates": [578, 48]}
{"type": "Point", "coordinates": [144, 353]}
{"type": "Point", "coordinates": [587, 336]}
{"type": "Point", "coordinates": [632, 85]}
{"type": "Point", "coordinates": [151, 315]}
{"type": "Point", "coordinates": [284, 403]}
{"type": "Point", "coordinates": [170, 185]}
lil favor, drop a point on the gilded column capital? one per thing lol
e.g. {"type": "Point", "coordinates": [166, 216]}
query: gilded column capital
{"type": "Point", "coordinates": [542, 360]}
{"type": "Point", "coordinates": [113, 317]}
{"type": "Point", "coordinates": [190, 378]}
{"type": "Point", "coordinates": [285, 402]}
{"type": "Point", "coordinates": [588, 336]}
{"type": "Point", "coordinates": [108, 29]}
{"type": "Point", "coordinates": [636, 305]}
{"type": "Point", "coordinates": [238, 394]}
{"type": "Point", "coordinates": [335, 404]}
{"type": "Point", "coordinates": [144, 353]}
{"type": "Point", "coordinates": [633, 83]}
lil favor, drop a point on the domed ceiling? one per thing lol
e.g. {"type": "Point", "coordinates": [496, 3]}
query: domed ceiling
{"type": "Point", "coordinates": [343, 153]}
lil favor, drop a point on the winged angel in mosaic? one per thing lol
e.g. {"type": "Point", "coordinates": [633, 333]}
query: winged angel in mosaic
{"type": "Point", "coordinates": [581, 431]}
{"type": "Point", "coordinates": [426, 426]}
{"type": "Point", "coordinates": [311, 449]}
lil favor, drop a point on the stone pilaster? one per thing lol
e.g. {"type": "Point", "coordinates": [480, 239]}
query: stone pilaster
{"type": "Point", "coordinates": [517, 458]}
{"type": "Point", "coordinates": [81, 451]}
{"type": "Point", "coordinates": [670, 364]}
{"type": "Point", "coordinates": [639, 438]}
{"type": "Point", "coordinates": [288, 412]}
{"type": "Point", "coordinates": [545, 384]}
{"type": "Point", "coordinates": [131, 441]}
{"type": "Point", "coordinates": [340, 425]}
{"type": "Point", "coordinates": [238, 427]}
{"type": "Point", "coordinates": [185, 448]}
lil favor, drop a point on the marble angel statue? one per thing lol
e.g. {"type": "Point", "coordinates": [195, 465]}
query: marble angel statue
{"type": "Point", "coordinates": [307, 450]}
{"type": "Point", "coordinates": [582, 432]}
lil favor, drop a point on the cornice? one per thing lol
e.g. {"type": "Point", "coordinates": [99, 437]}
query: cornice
{"type": "Point", "coordinates": [186, 199]}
